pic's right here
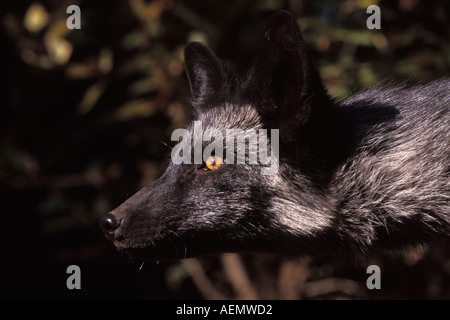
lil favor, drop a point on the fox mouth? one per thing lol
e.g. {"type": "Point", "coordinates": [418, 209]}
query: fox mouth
{"type": "Point", "coordinates": [142, 242]}
{"type": "Point", "coordinates": [167, 249]}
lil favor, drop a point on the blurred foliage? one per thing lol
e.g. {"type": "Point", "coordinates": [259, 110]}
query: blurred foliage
{"type": "Point", "coordinates": [86, 121]}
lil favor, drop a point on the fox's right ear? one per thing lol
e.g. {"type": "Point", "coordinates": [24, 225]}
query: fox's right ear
{"type": "Point", "coordinates": [205, 73]}
{"type": "Point", "coordinates": [284, 79]}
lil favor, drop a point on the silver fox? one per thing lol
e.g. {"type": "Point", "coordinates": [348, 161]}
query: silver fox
{"type": "Point", "coordinates": [370, 172]}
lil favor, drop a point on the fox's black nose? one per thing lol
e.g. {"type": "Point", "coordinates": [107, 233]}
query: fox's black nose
{"type": "Point", "coordinates": [109, 224]}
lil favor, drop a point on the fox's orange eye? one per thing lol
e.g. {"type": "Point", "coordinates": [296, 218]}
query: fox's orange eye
{"type": "Point", "coordinates": [213, 162]}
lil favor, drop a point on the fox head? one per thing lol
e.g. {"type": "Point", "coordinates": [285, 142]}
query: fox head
{"type": "Point", "coordinates": [217, 204]}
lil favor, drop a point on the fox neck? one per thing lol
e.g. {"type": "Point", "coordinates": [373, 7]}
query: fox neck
{"type": "Point", "coordinates": [309, 212]}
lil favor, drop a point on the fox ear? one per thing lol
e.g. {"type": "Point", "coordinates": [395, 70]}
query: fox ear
{"type": "Point", "coordinates": [205, 73]}
{"type": "Point", "coordinates": [284, 78]}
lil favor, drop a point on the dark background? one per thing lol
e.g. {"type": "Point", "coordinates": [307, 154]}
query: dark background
{"type": "Point", "coordinates": [86, 116]}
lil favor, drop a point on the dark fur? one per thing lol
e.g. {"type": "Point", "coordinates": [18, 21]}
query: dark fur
{"type": "Point", "coordinates": [372, 171]}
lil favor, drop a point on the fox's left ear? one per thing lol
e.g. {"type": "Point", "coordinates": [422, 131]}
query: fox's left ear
{"type": "Point", "coordinates": [206, 74]}
{"type": "Point", "coordinates": [284, 79]}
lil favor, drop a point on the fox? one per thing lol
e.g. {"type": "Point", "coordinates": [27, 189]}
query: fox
{"type": "Point", "coordinates": [371, 172]}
